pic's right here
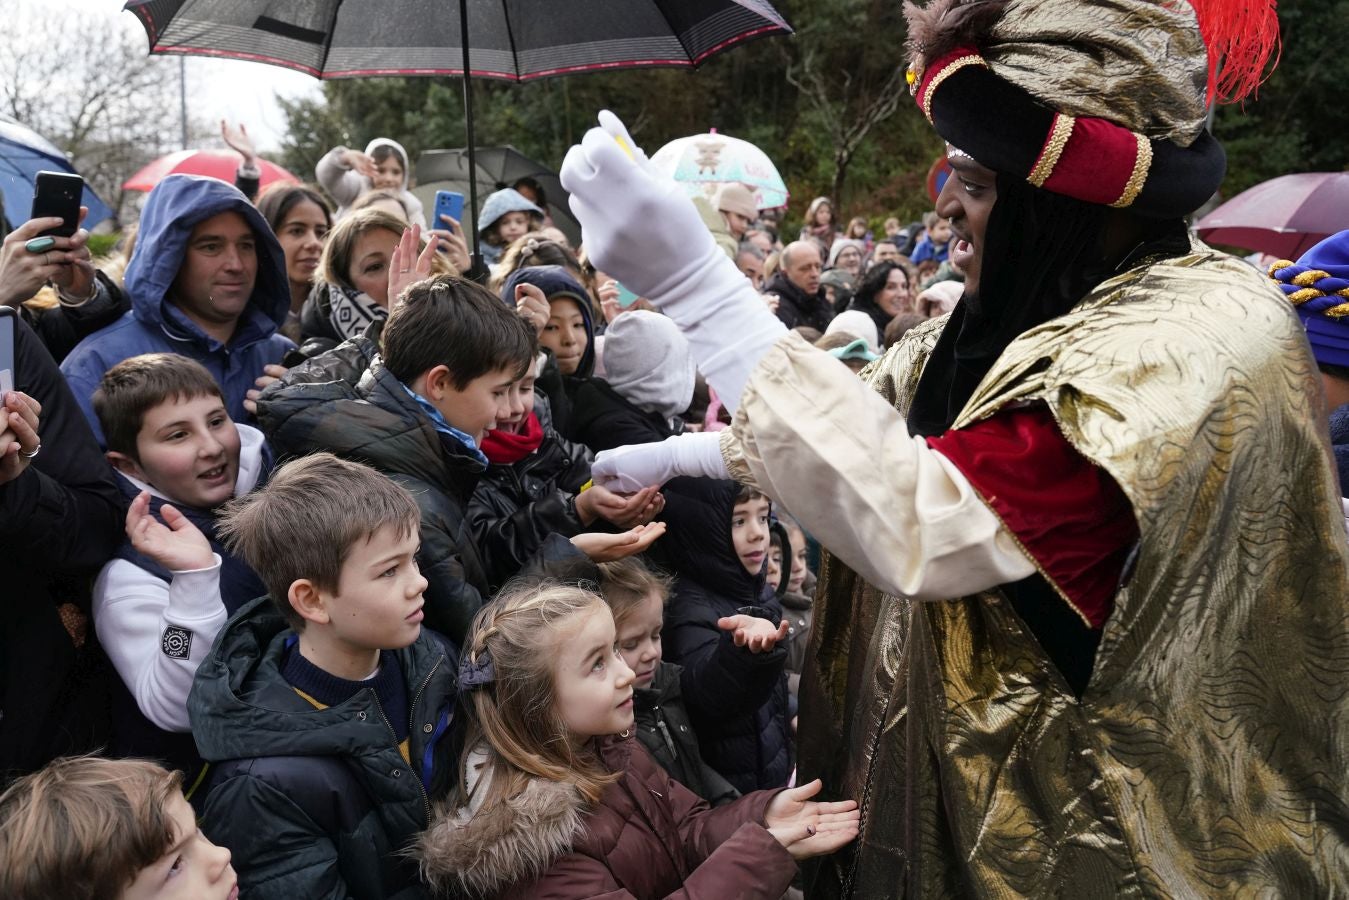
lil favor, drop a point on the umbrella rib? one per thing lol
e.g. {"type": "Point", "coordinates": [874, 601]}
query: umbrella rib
{"type": "Point", "coordinates": [510, 36]}
{"type": "Point", "coordinates": [660, 8]}
{"type": "Point", "coordinates": [327, 48]}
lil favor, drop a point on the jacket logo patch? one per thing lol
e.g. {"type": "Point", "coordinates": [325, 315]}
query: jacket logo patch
{"type": "Point", "coordinates": [176, 642]}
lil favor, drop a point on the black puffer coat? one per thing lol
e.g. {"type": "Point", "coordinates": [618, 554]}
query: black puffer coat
{"type": "Point", "coordinates": [602, 419]}
{"type": "Point", "coordinates": [664, 728]}
{"type": "Point", "coordinates": [515, 507]}
{"type": "Point", "coordinates": [737, 700]}
{"type": "Point", "coordinates": [345, 402]}
{"type": "Point", "coordinates": [796, 307]}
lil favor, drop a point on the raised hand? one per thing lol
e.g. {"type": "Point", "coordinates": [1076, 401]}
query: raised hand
{"type": "Point", "coordinates": [176, 544]}
{"type": "Point", "coordinates": [609, 547]}
{"type": "Point", "coordinates": [406, 266]}
{"type": "Point", "coordinates": [363, 164]}
{"type": "Point", "coordinates": [453, 243]}
{"type": "Point", "coordinates": [532, 306]}
{"type": "Point", "coordinates": [806, 828]}
{"type": "Point", "coordinates": [238, 140]}
{"type": "Point", "coordinates": [759, 635]}
{"type": "Point", "coordinates": [66, 264]}
{"type": "Point", "coordinates": [19, 439]}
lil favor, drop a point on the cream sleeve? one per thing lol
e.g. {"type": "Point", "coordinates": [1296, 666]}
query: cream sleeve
{"type": "Point", "coordinates": [822, 443]}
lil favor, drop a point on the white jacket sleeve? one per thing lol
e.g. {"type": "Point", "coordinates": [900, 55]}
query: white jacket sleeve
{"type": "Point", "coordinates": [344, 184]}
{"type": "Point", "coordinates": [157, 634]}
{"type": "Point", "coordinates": [825, 445]}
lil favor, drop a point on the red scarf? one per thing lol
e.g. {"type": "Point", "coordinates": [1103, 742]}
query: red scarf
{"type": "Point", "coordinates": [505, 448]}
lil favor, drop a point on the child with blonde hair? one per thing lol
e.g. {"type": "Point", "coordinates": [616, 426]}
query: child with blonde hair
{"type": "Point", "coordinates": [85, 828]}
{"type": "Point", "coordinates": [552, 778]}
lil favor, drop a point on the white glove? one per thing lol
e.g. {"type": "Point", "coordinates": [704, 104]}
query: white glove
{"type": "Point", "coordinates": [641, 228]}
{"type": "Point", "coordinates": [625, 470]}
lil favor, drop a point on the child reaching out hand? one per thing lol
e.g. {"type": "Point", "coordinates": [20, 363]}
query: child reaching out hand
{"type": "Point", "coordinates": [557, 799]}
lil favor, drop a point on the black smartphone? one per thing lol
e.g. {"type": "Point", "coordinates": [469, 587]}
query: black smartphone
{"type": "Point", "coordinates": [58, 194]}
{"type": "Point", "coordinates": [7, 318]}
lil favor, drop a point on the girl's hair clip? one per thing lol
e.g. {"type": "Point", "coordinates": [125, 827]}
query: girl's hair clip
{"type": "Point", "coordinates": [476, 669]}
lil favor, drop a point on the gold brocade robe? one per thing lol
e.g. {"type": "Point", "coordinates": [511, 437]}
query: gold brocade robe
{"type": "Point", "coordinates": [1209, 754]}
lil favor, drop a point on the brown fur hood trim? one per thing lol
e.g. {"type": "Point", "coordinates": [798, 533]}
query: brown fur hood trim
{"type": "Point", "coordinates": [482, 850]}
{"type": "Point", "coordinates": [943, 25]}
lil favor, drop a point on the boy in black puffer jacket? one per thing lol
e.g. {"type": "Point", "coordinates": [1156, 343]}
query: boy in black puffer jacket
{"type": "Point", "coordinates": [637, 597]}
{"type": "Point", "coordinates": [735, 688]}
{"type": "Point", "coordinates": [533, 487]}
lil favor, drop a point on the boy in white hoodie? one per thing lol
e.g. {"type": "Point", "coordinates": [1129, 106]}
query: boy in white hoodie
{"type": "Point", "coordinates": [346, 174]}
{"type": "Point", "coordinates": [160, 602]}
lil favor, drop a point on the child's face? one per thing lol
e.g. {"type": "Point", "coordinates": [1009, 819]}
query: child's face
{"type": "Point", "coordinates": [565, 334]}
{"type": "Point", "coordinates": [592, 684]}
{"type": "Point", "coordinates": [639, 638]}
{"type": "Point", "coordinates": [378, 601]}
{"type": "Point", "coordinates": [512, 225]}
{"type": "Point", "coordinates": [484, 401]}
{"type": "Point", "coordinates": [522, 404]}
{"type": "Point", "coordinates": [388, 174]}
{"type": "Point", "coordinates": [941, 232]}
{"type": "Point", "coordinates": [191, 869]}
{"type": "Point", "coordinates": [797, 578]}
{"type": "Point", "coordinates": [749, 533]}
{"type": "Point", "coordinates": [774, 567]}
{"type": "Point", "coordinates": [188, 450]}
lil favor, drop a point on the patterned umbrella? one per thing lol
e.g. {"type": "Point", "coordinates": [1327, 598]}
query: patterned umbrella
{"type": "Point", "coordinates": [222, 164]}
{"type": "Point", "coordinates": [512, 39]}
{"type": "Point", "coordinates": [704, 162]}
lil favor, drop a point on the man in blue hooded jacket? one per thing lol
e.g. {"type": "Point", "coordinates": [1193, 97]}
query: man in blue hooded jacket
{"type": "Point", "coordinates": [207, 281]}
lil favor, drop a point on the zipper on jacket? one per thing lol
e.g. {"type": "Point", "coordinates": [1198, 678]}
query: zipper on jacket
{"type": "Point", "coordinates": [412, 729]}
{"type": "Point", "coordinates": [426, 799]}
{"type": "Point", "coordinates": [665, 732]}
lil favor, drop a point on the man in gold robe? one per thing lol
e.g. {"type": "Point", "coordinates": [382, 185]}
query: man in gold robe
{"type": "Point", "coordinates": [1082, 629]}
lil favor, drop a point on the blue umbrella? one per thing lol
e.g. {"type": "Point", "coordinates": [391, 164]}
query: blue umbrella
{"type": "Point", "coordinates": [24, 153]}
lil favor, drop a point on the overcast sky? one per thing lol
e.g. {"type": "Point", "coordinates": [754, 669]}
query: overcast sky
{"type": "Point", "coordinates": [216, 88]}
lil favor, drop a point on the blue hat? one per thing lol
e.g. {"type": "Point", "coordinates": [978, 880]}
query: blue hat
{"type": "Point", "coordinates": [556, 282]}
{"type": "Point", "coordinates": [1318, 286]}
{"type": "Point", "coordinates": [506, 200]}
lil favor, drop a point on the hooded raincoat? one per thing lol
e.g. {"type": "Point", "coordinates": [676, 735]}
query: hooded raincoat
{"type": "Point", "coordinates": [155, 325]}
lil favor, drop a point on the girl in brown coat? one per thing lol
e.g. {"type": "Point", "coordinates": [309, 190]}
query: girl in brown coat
{"type": "Point", "coordinates": [557, 800]}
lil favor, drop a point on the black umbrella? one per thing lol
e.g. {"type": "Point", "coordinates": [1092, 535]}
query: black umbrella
{"type": "Point", "coordinates": [512, 39]}
{"type": "Point", "coordinates": [496, 167]}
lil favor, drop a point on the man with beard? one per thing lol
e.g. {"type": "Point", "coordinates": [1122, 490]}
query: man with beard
{"type": "Point", "coordinates": [1082, 631]}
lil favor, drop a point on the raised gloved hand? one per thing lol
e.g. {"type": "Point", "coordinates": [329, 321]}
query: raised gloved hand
{"type": "Point", "coordinates": [631, 468]}
{"type": "Point", "coordinates": [640, 227]}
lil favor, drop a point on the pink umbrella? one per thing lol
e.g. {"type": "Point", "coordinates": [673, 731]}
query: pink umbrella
{"type": "Point", "coordinates": [220, 164]}
{"type": "Point", "coordinates": [1284, 216]}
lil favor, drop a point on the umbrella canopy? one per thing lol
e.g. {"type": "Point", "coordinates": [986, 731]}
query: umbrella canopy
{"type": "Point", "coordinates": [511, 39]}
{"type": "Point", "coordinates": [222, 164]}
{"type": "Point", "coordinates": [704, 162]}
{"type": "Point", "coordinates": [497, 167]}
{"type": "Point", "coordinates": [24, 153]}
{"type": "Point", "coordinates": [1284, 216]}
{"type": "Point", "coordinates": [515, 40]}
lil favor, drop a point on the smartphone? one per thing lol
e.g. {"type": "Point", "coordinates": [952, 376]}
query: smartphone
{"type": "Point", "coordinates": [7, 317]}
{"type": "Point", "coordinates": [58, 194]}
{"type": "Point", "coordinates": [625, 297]}
{"type": "Point", "coordinates": [448, 203]}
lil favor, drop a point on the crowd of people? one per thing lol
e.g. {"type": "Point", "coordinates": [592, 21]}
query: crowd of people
{"type": "Point", "coordinates": [348, 556]}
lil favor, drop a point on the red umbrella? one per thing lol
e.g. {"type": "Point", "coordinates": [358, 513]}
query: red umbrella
{"type": "Point", "coordinates": [222, 164]}
{"type": "Point", "coordinates": [1284, 216]}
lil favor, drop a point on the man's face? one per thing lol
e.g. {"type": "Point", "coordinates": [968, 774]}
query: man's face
{"type": "Point", "coordinates": [761, 240]}
{"type": "Point", "coordinates": [804, 267]}
{"type": "Point", "coordinates": [218, 271]}
{"type": "Point", "coordinates": [966, 200]}
{"type": "Point", "coordinates": [752, 268]}
{"type": "Point", "coordinates": [884, 252]}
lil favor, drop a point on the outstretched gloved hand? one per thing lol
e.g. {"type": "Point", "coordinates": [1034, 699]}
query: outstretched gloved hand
{"type": "Point", "coordinates": [640, 227]}
{"type": "Point", "coordinates": [631, 468]}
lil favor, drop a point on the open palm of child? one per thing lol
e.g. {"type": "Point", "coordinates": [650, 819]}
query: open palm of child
{"type": "Point", "coordinates": [176, 544]}
{"type": "Point", "coordinates": [759, 635]}
{"type": "Point", "coordinates": [807, 828]}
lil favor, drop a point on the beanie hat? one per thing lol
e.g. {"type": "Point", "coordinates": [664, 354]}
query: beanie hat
{"type": "Point", "coordinates": [857, 323]}
{"type": "Point", "coordinates": [506, 200]}
{"type": "Point", "coordinates": [841, 244]}
{"type": "Point", "coordinates": [736, 198]}
{"type": "Point", "coordinates": [1318, 287]}
{"type": "Point", "coordinates": [1104, 101]}
{"type": "Point", "coordinates": [648, 362]}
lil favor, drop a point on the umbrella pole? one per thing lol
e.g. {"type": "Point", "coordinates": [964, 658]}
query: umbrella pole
{"type": "Point", "coordinates": [468, 127]}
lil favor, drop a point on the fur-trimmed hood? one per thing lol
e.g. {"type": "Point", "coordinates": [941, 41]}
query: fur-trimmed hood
{"type": "Point", "coordinates": [482, 851]}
